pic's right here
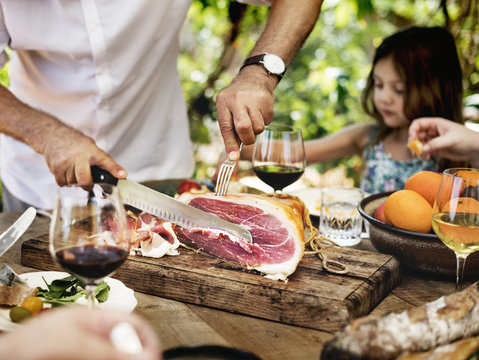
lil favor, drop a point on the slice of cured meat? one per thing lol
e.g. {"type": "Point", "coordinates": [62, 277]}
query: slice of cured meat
{"type": "Point", "coordinates": [276, 224]}
{"type": "Point", "coordinates": [151, 236]}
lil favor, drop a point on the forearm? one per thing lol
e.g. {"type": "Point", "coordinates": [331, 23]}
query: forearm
{"type": "Point", "coordinates": [289, 24]}
{"type": "Point", "coordinates": [28, 125]}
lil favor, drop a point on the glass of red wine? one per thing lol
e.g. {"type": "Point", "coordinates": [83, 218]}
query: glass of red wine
{"type": "Point", "coordinates": [89, 236]}
{"type": "Point", "coordinates": [278, 156]}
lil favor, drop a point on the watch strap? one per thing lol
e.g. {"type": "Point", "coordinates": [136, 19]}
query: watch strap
{"type": "Point", "coordinates": [253, 60]}
{"type": "Point", "coordinates": [257, 59]}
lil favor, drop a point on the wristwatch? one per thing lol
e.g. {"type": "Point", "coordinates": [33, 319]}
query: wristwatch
{"type": "Point", "coordinates": [272, 63]}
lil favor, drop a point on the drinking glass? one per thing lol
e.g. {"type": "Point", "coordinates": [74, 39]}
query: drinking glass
{"type": "Point", "coordinates": [278, 156]}
{"type": "Point", "coordinates": [89, 235]}
{"type": "Point", "coordinates": [456, 215]}
{"type": "Point", "coordinates": [340, 220]}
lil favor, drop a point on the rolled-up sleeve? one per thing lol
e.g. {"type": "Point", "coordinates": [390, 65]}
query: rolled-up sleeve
{"type": "Point", "coordinates": [256, 2]}
{"type": "Point", "coordinates": [4, 40]}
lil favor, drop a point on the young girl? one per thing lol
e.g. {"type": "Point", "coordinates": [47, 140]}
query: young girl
{"type": "Point", "coordinates": [415, 73]}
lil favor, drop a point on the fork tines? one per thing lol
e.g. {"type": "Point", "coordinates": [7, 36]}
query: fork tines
{"type": "Point", "coordinates": [224, 177]}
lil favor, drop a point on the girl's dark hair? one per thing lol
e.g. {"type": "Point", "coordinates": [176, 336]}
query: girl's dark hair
{"type": "Point", "coordinates": [426, 60]}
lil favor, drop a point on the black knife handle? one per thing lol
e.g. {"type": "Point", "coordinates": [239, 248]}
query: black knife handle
{"type": "Point", "coordinates": [100, 175]}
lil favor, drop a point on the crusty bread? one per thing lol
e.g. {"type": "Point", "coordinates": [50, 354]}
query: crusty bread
{"type": "Point", "coordinates": [420, 329]}
{"type": "Point", "coordinates": [461, 349]}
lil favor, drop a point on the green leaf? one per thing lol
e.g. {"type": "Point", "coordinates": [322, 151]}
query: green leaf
{"type": "Point", "coordinates": [102, 291]}
{"type": "Point", "coordinates": [68, 290]}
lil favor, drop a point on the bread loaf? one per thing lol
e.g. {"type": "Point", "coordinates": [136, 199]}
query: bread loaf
{"type": "Point", "coordinates": [440, 322]}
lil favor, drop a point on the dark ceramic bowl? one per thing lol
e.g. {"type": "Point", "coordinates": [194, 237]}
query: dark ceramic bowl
{"type": "Point", "coordinates": [416, 251]}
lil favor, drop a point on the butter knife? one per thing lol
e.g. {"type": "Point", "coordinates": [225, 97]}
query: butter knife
{"type": "Point", "coordinates": [168, 208]}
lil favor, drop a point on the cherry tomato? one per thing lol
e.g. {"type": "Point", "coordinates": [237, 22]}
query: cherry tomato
{"type": "Point", "coordinates": [188, 185]}
{"type": "Point", "coordinates": [34, 304]}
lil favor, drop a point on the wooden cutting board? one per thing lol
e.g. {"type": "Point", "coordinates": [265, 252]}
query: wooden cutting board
{"type": "Point", "coordinates": [311, 298]}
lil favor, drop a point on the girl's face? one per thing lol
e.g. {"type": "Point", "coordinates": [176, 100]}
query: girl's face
{"type": "Point", "coordinates": [389, 93]}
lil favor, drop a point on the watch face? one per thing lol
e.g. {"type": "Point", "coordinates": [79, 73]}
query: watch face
{"type": "Point", "coordinates": [274, 64]}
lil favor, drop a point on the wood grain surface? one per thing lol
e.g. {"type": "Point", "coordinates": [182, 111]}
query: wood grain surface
{"type": "Point", "coordinates": [311, 298]}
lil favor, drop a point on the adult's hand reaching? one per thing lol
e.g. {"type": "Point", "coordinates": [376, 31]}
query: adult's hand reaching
{"type": "Point", "coordinates": [446, 139]}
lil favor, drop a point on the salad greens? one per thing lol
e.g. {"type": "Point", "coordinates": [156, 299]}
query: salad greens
{"type": "Point", "coordinates": [68, 290]}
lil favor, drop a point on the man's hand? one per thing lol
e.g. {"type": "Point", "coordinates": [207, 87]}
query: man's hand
{"type": "Point", "coordinates": [70, 154]}
{"type": "Point", "coordinates": [245, 107]}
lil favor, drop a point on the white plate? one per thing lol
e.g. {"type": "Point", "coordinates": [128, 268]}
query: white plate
{"type": "Point", "coordinates": [120, 297]}
{"type": "Point", "coordinates": [311, 198]}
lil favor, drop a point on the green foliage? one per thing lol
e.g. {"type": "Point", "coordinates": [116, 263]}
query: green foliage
{"type": "Point", "coordinates": [321, 89]}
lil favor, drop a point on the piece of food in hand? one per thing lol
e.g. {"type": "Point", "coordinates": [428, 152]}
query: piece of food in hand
{"type": "Point", "coordinates": [408, 210]}
{"type": "Point", "coordinates": [276, 225]}
{"type": "Point", "coordinates": [151, 236]}
{"type": "Point", "coordinates": [13, 290]}
{"type": "Point", "coordinates": [379, 213]}
{"type": "Point", "coordinates": [439, 322]}
{"type": "Point", "coordinates": [416, 147]}
{"type": "Point", "coordinates": [188, 185]}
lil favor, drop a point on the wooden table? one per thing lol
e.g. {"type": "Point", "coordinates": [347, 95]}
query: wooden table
{"type": "Point", "coordinates": [180, 324]}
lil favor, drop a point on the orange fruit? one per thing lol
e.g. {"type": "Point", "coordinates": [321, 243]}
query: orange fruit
{"type": "Point", "coordinates": [408, 210]}
{"type": "Point", "coordinates": [462, 205]}
{"type": "Point", "coordinates": [425, 183]}
{"type": "Point", "coordinates": [416, 146]}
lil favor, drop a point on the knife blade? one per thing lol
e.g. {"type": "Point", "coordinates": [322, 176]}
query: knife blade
{"type": "Point", "coordinates": [16, 230]}
{"type": "Point", "coordinates": [168, 208]}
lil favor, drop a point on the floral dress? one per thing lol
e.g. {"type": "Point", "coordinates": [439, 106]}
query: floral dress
{"type": "Point", "coordinates": [382, 173]}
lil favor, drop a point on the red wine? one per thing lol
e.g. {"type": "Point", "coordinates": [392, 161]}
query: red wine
{"type": "Point", "coordinates": [91, 261]}
{"type": "Point", "coordinates": [278, 176]}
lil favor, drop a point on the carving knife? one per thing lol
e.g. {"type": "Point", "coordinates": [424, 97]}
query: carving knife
{"type": "Point", "coordinates": [166, 207]}
{"type": "Point", "coordinates": [16, 230]}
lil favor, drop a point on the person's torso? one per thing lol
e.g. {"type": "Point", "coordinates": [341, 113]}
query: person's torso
{"type": "Point", "coordinates": [106, 68]}
{"type": "Point", "coordinates": [383, 173]}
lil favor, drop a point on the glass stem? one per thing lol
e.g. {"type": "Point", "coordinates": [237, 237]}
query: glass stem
{"type": "Point", "coordinates": [90, 295]}
{"type": "Point", "coordinates": [461, 262]}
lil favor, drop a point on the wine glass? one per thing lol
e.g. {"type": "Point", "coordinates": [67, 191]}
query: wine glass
{"type": "Point", "coordinates": [89, 235]}
{"type": "Point", "coordinates": [456, 215]}
{"type": "Point", "coordinates": [278, 156]}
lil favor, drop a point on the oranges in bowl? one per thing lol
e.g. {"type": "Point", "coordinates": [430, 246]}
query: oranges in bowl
{"type": "Point", "coordinates": [411, 207]}
{"type": "Point", "coordinates": [416, 251]}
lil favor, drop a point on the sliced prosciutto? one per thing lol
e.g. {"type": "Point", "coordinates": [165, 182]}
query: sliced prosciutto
{"type": "Point", "coordinates": [151, 236]}
{"type": "Point", "coordinates": [276, 225]}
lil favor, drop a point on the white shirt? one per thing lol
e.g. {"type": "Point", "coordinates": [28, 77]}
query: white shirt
{"type": "Point", "coordinates": [107, 68]}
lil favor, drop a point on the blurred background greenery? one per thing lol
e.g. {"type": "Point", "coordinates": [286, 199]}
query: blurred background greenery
{"type": "Point", "coordinates": [321, 89]}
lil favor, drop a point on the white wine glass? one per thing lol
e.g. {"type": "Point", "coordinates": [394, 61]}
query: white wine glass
{"type": "Point", "coordinates": [278, 156]}
{"type": "Point", "coordinates": [89, 235]}
{"type": "Point", "coordinates": [456, 215]}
